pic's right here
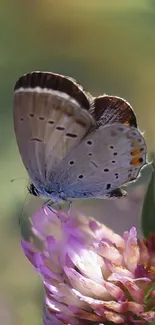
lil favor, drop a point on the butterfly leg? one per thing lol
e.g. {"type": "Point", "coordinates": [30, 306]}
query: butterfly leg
{"type": "Point", "coordinates": [65, 216]}
{"type": "Point", "coordinates": [56, 208]}
{"type": "Point", "coordinates": [69, 207]}
{"type": "Point", "coordinates": [49, 203]}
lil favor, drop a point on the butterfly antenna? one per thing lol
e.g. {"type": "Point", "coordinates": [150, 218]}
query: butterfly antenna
{"type": "Point", "coordinates": [18, 178]}
{"type": "Point", "coordinates": [20, 217]}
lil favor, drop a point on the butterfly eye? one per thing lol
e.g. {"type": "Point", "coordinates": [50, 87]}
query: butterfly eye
{"type": "Point", "coordinates": [33, 190]}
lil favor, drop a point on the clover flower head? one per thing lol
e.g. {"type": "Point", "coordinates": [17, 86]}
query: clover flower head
{"type": "Point", "coordinates": [90, 274]}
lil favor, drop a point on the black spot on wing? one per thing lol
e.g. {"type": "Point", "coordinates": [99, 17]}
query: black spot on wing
{"type": "Point", "coordinates": [116, 175]}
{"type": "Point", "coordinates": [36, 139]}
{"type": "Point", "coordinates": [89, 142]}
{"type": "Point", "coordinates": [108, 186]}
{"type": "Point", "coordinates": [72, 162]}
{"type": "Point", "coordinates": [71, 135]}
{"type": "Point", "coordinates": [60, 128]}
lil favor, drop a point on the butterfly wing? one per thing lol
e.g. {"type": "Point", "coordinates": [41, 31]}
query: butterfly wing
{"type": "Point", "coordinates": [62, 144]}
{"type": "Point", "coordinates": [51, 116]}
{"type": "Point", "coordinates": [112, 109]}
{"type": "Point", "coordinates": [105, 159]}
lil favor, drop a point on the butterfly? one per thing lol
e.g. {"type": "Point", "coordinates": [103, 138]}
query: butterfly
{"type": "Point", "coordinates": [72, 144]}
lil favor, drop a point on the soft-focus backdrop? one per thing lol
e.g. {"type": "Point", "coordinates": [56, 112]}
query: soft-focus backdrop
{"type": "Point", "coordinates": [109, 47]}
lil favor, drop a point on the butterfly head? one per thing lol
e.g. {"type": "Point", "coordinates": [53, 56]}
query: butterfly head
{"type": "Point", "coordinates": [46, 191]}
{"type": "Point", "coordinates": [33, 190]}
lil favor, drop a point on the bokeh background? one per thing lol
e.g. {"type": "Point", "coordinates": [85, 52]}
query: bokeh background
{"type": "Point", "coordinates": [109, 47]}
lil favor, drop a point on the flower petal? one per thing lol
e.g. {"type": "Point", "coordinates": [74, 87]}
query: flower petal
{"type": "Point", "coordinates": [64, 293]}
{"type": "Point", "coordinates": [86, 260]}
{"type": "Point", "coordinates": [90, 274]}
{"type": "Point", "coordinates": [86, 286]}
{"type": "Point", "coordinates": [132, 251]}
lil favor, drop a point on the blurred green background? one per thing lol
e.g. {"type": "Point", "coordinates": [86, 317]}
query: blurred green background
{"type": "Point", "coordinates": [109, 47]}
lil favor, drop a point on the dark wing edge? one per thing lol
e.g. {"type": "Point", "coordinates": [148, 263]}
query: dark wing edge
{"type": "Point", "coordinates": [113, 109]}
{"type": "Point", "coordinates": [52, 81]}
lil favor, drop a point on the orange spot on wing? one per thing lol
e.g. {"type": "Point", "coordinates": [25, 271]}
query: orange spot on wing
{"type": "Point", "coordinates": [137, 161]}
{"type": "Point", "coordinates": [126, 123]}
{"type": "Point", "coordinates": [136, 151]}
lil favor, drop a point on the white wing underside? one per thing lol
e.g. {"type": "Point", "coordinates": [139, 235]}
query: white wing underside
{"type": "Point", "coordinates": [47, 128]}
{"type": "Point", "coordinates": [57, 146]}
{"type": "Point", "coordinates": [103, 161]}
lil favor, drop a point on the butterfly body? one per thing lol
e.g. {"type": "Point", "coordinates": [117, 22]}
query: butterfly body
{"type": "Point", "coordinates": [72, 144]}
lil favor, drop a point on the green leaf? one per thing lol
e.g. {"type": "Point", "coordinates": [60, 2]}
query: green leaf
{"type": "Point", "coordinates": [148, 211]}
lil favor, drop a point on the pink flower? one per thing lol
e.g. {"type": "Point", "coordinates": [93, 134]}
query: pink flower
{"type": "Point", "coordinates": [91, 275]}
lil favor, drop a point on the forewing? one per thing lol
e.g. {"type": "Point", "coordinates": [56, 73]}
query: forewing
{"type": "Point", "coordinates": [51, 116]}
